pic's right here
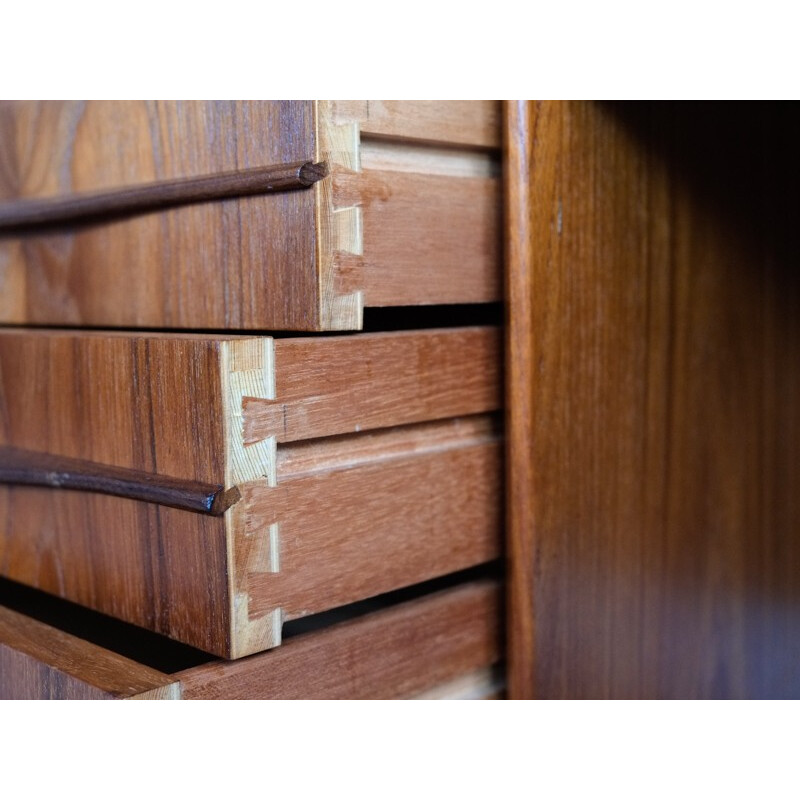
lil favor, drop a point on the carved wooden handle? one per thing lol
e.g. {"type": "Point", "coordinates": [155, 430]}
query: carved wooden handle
{"type": "Point", "coordinates": [25, 213]}
{"type": "Point", "coordinates": [44, 469]}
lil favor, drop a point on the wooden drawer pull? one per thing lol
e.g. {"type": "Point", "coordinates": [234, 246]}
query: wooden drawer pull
{"type": "Point", "coordinates": [29, 468]}
{"type": "Point", "coordinates": [150, 196]}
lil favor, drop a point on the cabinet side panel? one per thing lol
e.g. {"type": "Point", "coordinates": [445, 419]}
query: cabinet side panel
{"type": "Point", "coordinates": [655, 348]}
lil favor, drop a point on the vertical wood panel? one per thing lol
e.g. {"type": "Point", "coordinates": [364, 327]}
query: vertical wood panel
{"type": "Point", "coordinates": [654, 383]}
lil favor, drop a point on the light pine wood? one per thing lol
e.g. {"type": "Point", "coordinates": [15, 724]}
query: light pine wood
{"type": "Point", "coordinates": [654, 396]}
{"type": "Point", "coordinates": [38, 662]}
{"type": "Point", "coordinates": [395, 653]}
{"type": "Point", "coordinates": [474, 123]}
{"type": "Point", "coordinates": [339, 225]}
{"type": "Point", "coordinates": [179, 405]}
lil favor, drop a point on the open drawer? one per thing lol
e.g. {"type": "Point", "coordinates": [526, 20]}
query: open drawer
{"type": "Point", "coordinates": [211, 488]}
{"type": "Point", "coordinates": [445, 644]}
{"type": "Point", "coordinates": [103, 222]}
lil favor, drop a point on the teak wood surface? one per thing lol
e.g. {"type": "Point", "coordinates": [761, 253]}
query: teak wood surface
{"type": "Point", "coordinates": [304, 260]}
{"type": "Point", "coordinates": [394, 653]}
{"type": "Point", "coordinates": [239, 411]}
{"type": "Point", "coordinates": [240, 263]}
{"type": "Point", "coordinates": [39, 662]}
{"type": "Point", "coordinates": [654, 400]}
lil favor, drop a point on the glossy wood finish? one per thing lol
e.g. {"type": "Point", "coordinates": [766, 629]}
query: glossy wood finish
{"type": "Point", "coordinates": [38, 662]}
{"type": "Point", "coordinates": [239, 263]}
{"type": "Point", "coordinates": [521, 613]}
{"type": "Point", "coordinates": [398, 652]}
{"type": "Point", "coordinates": [89, 206]}
{"type": "Point", "coordinates": [239, 412]}
{"type": "Point", "coordinates": [295, 261]}
{"type": "Point", "coordinates": [654, 394]}
{"type": "Point", "coordinates": [150, 404]}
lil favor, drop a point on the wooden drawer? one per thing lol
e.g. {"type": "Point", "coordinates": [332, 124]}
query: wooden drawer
{"type": "Point", "coordinates": [409, 213]}
{"type": "Point", "coordinates": [39, 662]}
{"type": "Point", "coordinates": [441, 645]}
{"type": "Point", "coordinates": [350, 466]}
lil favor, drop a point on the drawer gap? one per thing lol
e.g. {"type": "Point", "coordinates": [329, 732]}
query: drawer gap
{"type": "Point", "coordinates": [316, 622]}
{"type": "Point", "coordinates": [138, 644]}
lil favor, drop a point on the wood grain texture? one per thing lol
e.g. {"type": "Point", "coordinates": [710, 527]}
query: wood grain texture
{"type": "Point", "coordinates": [374, 520]}
{"type": "Point", "coordinates": [346, 384]}
{"type": "Point", "coordinates": [424, 229]}
{"type": "Point", "coordinates": [239, 263]}
{"type": "Point", "coordinates": [521, 613]}
{"type": "Point", "coordinates": [472, 123]}
{"type": "Point", "coordinates": [655, 343]}
{"type": "Point", "coordinates": [295, 261]}
{"type": "Point", "coordinates": [178, 404]}
{"type": "Point", "coordinates": [427, 239]}
{"type": "Point", "coordinates": [125, 200]}
{"type": "Point", "coordinates": [38, 662]}
{"type": "Point", "coordinates": [395, 653]}
{"type": "Point", "coordinates": [151, 404]}
{"type": "Point", "coordinates": [26, 468]}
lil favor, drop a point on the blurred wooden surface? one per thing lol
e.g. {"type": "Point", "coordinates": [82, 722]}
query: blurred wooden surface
{"type": "Point", "coordinates": [654, 393]}
{"type": "Point", "coordinates": [397, 652]}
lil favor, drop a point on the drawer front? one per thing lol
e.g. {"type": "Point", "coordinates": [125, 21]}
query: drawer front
{"type": "Point", "coordinates": [235, 263]}
{"type": "Point", "coordinates": [360, 463]}
{"type": "Point", "coordinates": [403, 218]}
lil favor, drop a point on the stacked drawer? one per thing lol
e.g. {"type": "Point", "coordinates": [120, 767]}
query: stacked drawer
{"type": "Point", "coordinates": [212, 486]}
